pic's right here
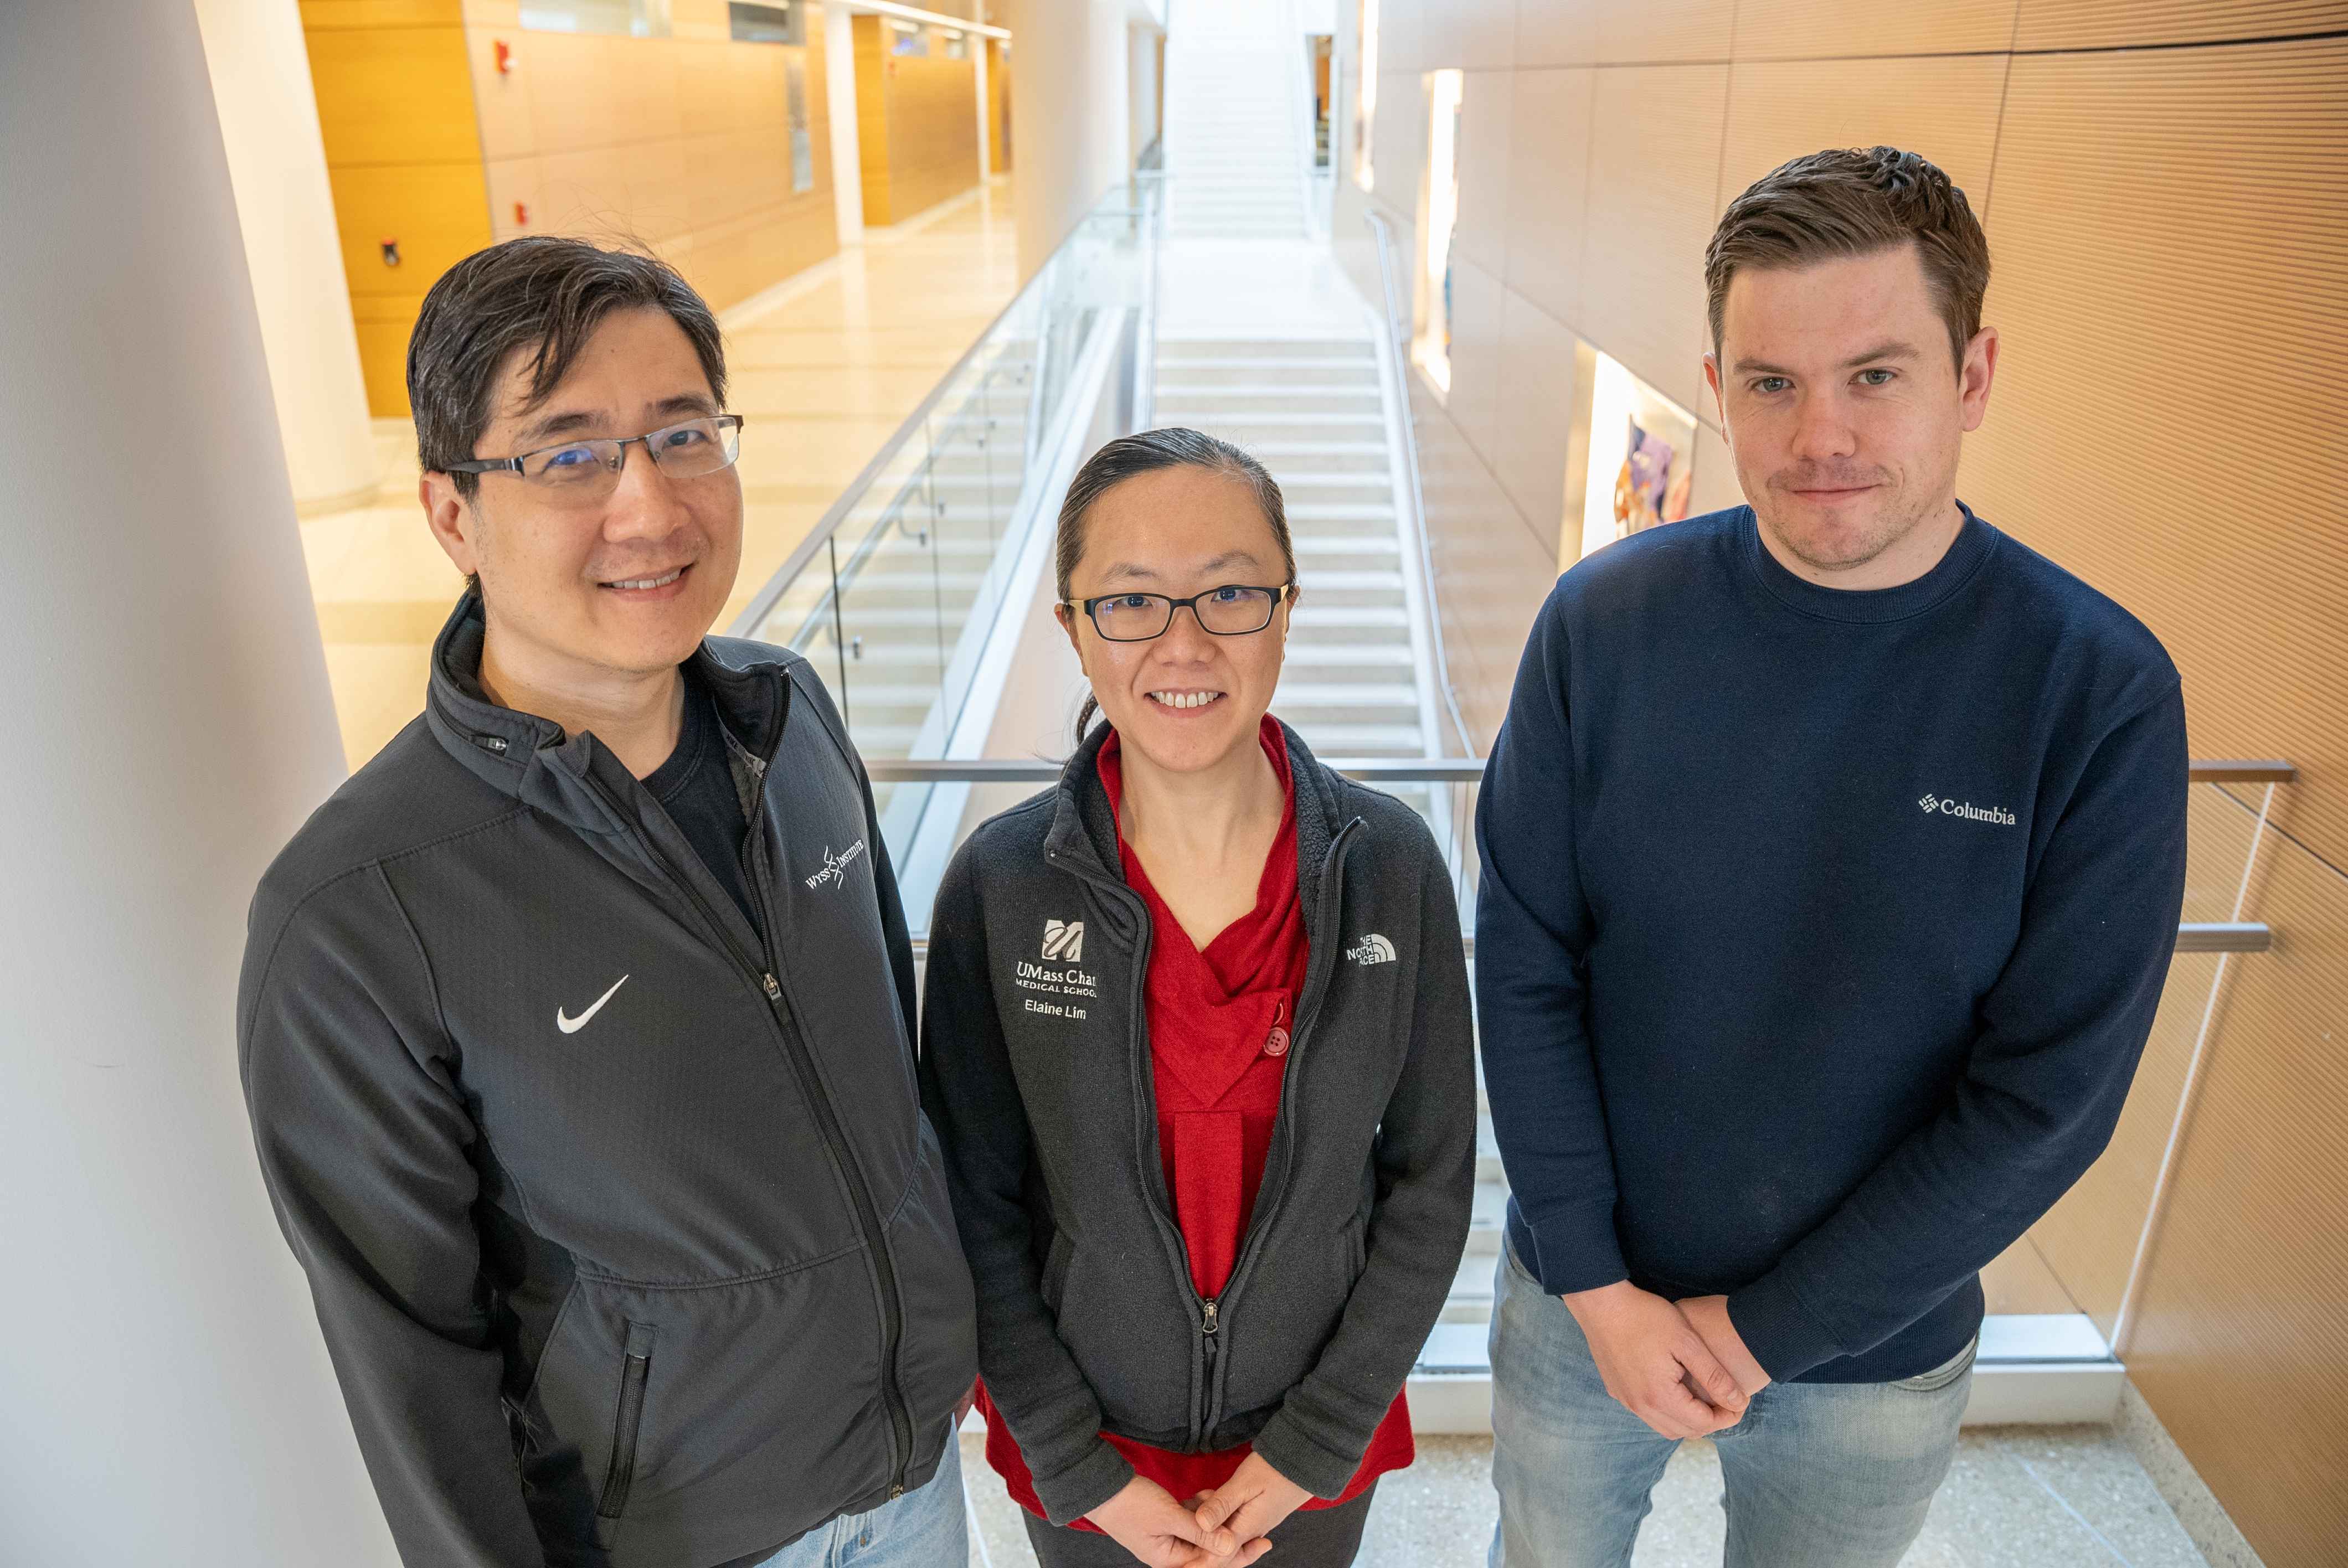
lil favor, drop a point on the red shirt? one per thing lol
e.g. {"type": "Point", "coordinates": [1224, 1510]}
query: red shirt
{"type": "Point", "coordinates": [1219, 1032]}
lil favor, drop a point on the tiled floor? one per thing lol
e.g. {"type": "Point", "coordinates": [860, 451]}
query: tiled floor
{"type": "Point", "coordinates": [2017, 1497]}
{"type": "Point", "coordinates": [825, 366]}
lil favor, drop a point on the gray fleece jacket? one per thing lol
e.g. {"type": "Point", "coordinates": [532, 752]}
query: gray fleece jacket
{"type": "Point", "coordinates": [629, 1241]}
{"type": "Point", "coordinates": [1035, 1069]}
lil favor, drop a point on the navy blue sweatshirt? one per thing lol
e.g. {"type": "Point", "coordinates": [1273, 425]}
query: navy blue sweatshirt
{"type": "Point", "coordinates": [1819, 930]}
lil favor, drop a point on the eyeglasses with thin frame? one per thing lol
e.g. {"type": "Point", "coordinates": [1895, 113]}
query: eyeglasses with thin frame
{"type": "Point", "coordinates": [1233, 609]}
{"type": "Point", "coordinates": [578, 473]}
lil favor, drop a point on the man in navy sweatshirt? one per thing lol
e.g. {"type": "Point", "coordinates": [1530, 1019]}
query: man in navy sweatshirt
{"type": "Point", "coordinates": [1833, 851]}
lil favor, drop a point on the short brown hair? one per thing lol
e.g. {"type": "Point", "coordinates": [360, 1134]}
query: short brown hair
{"type": "Point", "coordinates": [1854, 202]}
{"type": "Point", "coordinates": [544, 295]}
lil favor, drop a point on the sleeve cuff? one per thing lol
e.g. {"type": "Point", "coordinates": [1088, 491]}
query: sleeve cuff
{"type": "Point", "coordinates": [1083, 1486]}
{"type": "Point", "coordinates": [1573, 1249]}
{"type": "Point", "coordinates": [1311, 1465]}
{"type": "Point", "coordinates": [1779, 1328]}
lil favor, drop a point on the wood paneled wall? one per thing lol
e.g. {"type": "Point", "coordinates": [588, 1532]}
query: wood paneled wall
{"type": "Point", "coordinates": [2165, 185]}
{"type": "Point", "coordinates": [404, 156]}
{"type": "Point", "coordinates": [682, 144]}
{"type": "Point", "coordinates": [916, 124]}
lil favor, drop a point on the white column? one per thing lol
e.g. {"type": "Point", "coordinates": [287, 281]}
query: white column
{"type": "Point", "coordinates": [839, 98]}
{"type": "Point", "coordinates": [168, 1399]}
{"type": "Point", "coordinates": [269, 119]}
{"type": "Point", "coordinates": [1067, 115]}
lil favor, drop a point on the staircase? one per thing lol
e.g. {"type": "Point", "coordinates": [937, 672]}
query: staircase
{"type": "Point", "coordinates": [1358, 681]}
{"type": "Point", "coordinates": [1313, 411]}
{"type": "Point", "coordinates": [1235, 122]}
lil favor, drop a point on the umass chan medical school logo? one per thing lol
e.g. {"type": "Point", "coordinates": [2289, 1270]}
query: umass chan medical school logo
{"type": "Point", "coordinates": [1996, 815]}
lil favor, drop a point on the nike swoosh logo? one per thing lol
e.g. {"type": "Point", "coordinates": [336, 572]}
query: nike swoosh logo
{"type": "Point", "coordinates": [568, 1025]}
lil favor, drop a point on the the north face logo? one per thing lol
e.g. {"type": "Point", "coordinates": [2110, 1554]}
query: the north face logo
{"type": "Point", "coordinates": [1374, 950]}
{"type": "Point", "coordinates": [1065, 939]}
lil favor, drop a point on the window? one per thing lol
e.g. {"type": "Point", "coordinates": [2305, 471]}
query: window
{"type": "Point", "coordinates": [766, 23]}
{"type": "Point", "coordinates": [911, 38]}
{"type": "Point", "coordinates": [622, 18]}
{"type": "Point", "coordinates": [1438, 224]}
{"type": "Point", "coordinates": [802, 150]}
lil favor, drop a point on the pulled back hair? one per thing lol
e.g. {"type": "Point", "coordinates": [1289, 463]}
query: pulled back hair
{"type": "Point", "coordinates": [542, 296]}
{"type": "Point", "coordinates": [1129, 457]}
{"type": "Point", "coordinates": [1856, 201]}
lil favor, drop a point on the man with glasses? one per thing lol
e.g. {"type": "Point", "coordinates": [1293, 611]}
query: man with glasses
{"type": "Point", "coordinates": [576, 1028]}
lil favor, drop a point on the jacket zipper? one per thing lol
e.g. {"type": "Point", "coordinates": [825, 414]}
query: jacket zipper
{"type": "Point", "coordinates": [868, 1216]}
{"type": "Point", "coordinates": [1316, 985]}
{"type": "Point", "coordinates": [635, 1369]}
{"type": "Point", "coordinates": [1210, 1307]}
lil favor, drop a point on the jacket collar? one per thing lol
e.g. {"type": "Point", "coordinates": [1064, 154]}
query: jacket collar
{"type": "Point", "coordinates": [1083, 837]}
{"type": "Point", "coordinates": [574, 779]}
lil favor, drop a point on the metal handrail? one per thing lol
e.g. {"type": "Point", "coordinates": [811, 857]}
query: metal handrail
{"type": "Point", "coordinates": [2213, 772]}
{"type": "Point", "coordinates": [1398, 387]}
{"type": "Point", "coordinates": [1022, 770]}
{"type": "Point", "coordinates": [2232, 936]}
{"type": "Point", "coordinates": [1399, 770]}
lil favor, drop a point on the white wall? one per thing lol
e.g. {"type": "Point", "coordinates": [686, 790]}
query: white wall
{"type": "Point", "coordinates": [260, 73]}
{"type": "Point", "coordinates": [1071, 132]}
{"type": "Point", "coordinates": [168, 1399]}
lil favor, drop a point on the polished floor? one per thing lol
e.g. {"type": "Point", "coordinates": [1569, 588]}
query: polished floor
{"type": "Point", "coordinates": [2017, 1497]}
{"type": "Point", "coordinates": [825, 366]}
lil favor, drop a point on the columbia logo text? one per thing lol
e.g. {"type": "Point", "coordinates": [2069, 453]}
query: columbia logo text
{"type": "Point", "coordinates": [1065, 939]}
{"type": "Point", "coordinates": [1374, 950]}
{"type": "Point", "coordinates": [1994, 813]}
{"type": "Point", "coordinates": [835, 867]}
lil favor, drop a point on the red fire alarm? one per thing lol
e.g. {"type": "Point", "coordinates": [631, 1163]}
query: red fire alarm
{"type": "Point", "coordinates": [390, 244]}
{"type": "Point", "coordinates": [521, 214]}
{"type": "Point", "coordinates": [505, 57]}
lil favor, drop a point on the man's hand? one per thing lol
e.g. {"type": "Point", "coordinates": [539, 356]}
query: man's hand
{"type": "Point", "coordinates": [1708, 1315]}
{"type": "Point", "coordinates": [1655, 1362]}
{"type": "Point", "coordinates": [1145, 1520]}
{"type": "Point", "coordinates": [1250, 1503]}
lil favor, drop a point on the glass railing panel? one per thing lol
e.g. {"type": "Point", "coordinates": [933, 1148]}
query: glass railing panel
{"type": "Point", "coordinates": [892, 597]}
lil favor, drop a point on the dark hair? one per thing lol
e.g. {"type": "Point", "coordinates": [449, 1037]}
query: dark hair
{"type": "Point", "coordinates": [541, 295]}
{"type": "Point", "coordinates": [1854, 202]}
{"type": "Point", "coordinates": [1129, 457]}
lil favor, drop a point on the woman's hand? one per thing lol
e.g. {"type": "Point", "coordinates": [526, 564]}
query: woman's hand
{"type": "Point", "coordinates": [1250, 1503]}
{"type": "Point", "coordinates": [1145, 1520]}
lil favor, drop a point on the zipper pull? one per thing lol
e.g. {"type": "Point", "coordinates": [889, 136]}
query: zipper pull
{"type": "Point", "coordinates": [773, 988]}
{"type": "Point", "coordinates": [1207, 1315]}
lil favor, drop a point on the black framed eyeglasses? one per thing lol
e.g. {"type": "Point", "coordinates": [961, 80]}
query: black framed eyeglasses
{"type": "Point", "coordinates": [581, 472]}
{"type": "Point", "coordinates": [1230, 610]}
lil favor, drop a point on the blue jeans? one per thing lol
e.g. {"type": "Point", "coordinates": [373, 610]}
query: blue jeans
{"type": "Point", "coordinates": [1816, 1475]}
{"type": "Point", "coordinates": [926, 1528]}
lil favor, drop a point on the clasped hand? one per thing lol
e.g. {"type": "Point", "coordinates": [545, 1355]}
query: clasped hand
{"type": "Point", "coordinates": [1225, 1528]}
{"type": "Point", "coordinates": [1680, 1367]}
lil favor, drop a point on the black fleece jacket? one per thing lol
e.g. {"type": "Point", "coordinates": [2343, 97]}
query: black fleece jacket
{"type": "Point", "coordinates": [629, 1241]}
{"type": "Point", "coordinates": [1036, 1070]}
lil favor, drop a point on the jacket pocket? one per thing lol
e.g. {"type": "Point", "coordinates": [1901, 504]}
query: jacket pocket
{"type": "Point", "coordinates": [635, 1370]}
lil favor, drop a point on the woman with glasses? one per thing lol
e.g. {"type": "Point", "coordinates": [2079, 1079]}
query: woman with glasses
{"type": "Point", "coordinates": [1197, 1044]}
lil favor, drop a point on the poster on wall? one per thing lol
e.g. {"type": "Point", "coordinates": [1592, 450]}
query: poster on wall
{"type": "Point", "coordinates": [1642, 457]}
